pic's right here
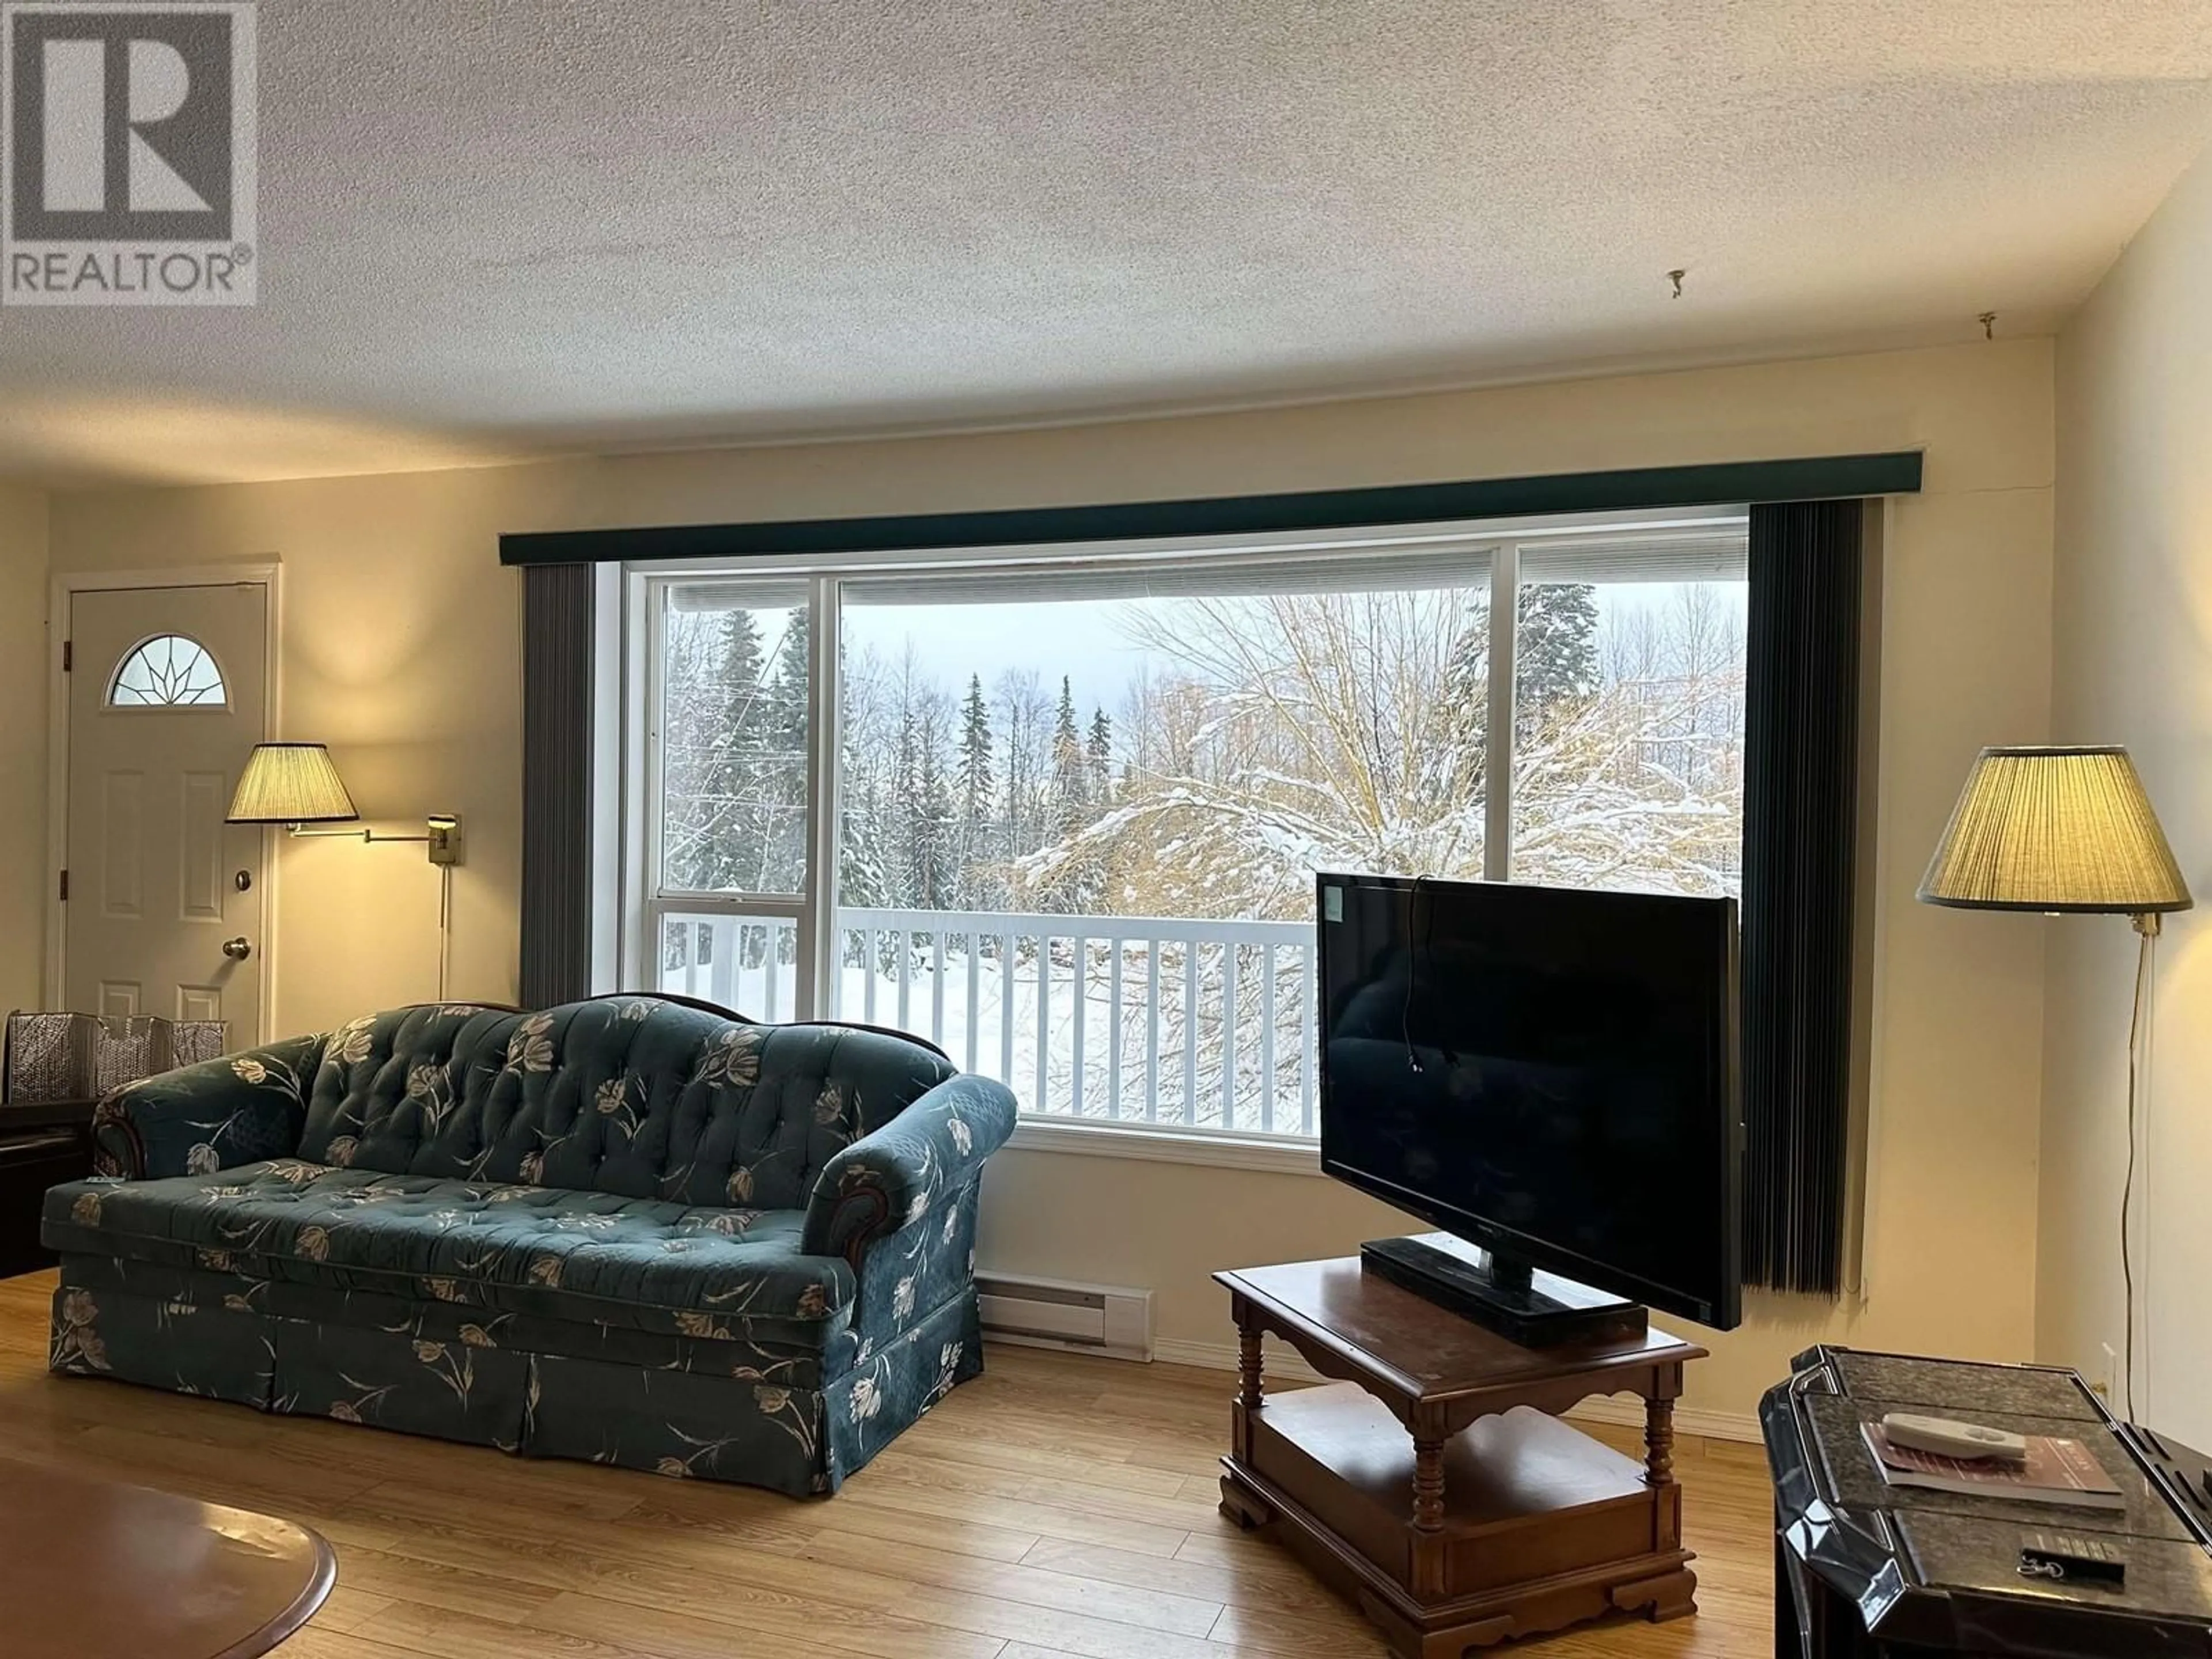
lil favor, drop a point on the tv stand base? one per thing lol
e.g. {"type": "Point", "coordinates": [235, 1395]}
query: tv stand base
{"type": "Point", "coordinates": [1536, 1310]}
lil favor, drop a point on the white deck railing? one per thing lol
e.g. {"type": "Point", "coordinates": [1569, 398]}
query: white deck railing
{"type": "Point", "coordinates": [1188, 1023]}
{"type": "Point", "coordinates": [745, 963]}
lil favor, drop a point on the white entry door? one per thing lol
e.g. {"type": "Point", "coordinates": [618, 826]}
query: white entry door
{"type": "Point", "coordinates": [161, 911]}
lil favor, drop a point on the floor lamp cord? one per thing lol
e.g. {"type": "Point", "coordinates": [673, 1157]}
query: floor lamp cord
{"type": "Point", "coordinates": [2144, 947]}
{"type": "Point", "coordinates": [445, 937]}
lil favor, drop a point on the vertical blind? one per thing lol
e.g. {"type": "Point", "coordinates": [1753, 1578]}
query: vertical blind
{"type": "Point", "coordinates": [1800, 854]}
{"type": "Point", "coordinates": [556, 773]}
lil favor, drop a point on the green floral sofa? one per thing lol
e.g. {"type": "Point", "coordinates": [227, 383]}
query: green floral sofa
{"type": "Point", "coordinates": [628, 1229]}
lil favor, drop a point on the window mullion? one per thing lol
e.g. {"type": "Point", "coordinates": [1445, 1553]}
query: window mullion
{"type": "Point", "coordinates": [643, 854]}
{"type": "Point", "coordinates": [652, 941]}
{"type": "Point", "coordinates": [818, 927]}
{"type": "Point", "coordinates": [1497, 726]}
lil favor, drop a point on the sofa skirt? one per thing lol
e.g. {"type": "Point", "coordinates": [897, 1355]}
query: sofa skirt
{"type": "Point", "coordinates": [429, 1374]}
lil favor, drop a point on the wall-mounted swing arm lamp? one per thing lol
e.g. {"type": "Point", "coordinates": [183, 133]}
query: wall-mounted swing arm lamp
{"type": "Point", "coordinates": [2067, 831]}
{"type": "Point", "coordinates": [297, 785]}
{"type": "Point", "coordinates": [442, 834]}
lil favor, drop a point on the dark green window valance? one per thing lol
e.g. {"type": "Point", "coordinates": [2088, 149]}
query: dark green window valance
{"type": "Point", "coordinates": [1827, 478]}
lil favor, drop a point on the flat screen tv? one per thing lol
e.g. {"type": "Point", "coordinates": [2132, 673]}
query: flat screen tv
{"type": "Point", "coordinates": [1548, 1073]}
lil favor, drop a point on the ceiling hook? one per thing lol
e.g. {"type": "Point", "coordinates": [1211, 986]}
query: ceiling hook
{"type": "Point", "coordinates": [1675, 277]}
{"type": "Point", "coordinates": [1988, 319]}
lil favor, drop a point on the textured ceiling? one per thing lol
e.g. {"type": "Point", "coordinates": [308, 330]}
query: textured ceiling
{"type": "Point", "coordinates": [497, 227]}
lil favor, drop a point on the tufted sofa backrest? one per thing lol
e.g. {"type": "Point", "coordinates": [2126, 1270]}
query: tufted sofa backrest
{"type": "Point", "coordinates": [635, 1096]}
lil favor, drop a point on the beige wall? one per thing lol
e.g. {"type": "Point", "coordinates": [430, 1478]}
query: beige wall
{"type": "Point", "coordinates": [2133, 664]}
{"type": "Point", "coordinates": [23, 863]}
{"type": "Point", "coordinates": [400, 649]}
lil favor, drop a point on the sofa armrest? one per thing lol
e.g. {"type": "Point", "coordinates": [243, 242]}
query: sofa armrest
{"type": "Point", "coordinates": [218, 1114]}
{"type": "Point", "coordinates": [884, 1180]}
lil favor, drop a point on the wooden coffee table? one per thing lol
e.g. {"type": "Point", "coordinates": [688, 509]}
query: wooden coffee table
{"type": "Point", "coordinates": [92, 1568]}
{"type": "Point", "coordinates": [1436, 1486]}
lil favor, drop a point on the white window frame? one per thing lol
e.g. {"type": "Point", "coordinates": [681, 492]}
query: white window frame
{"type": "Point", "coordinates": [644, 903]}
{"type": "Point", "coordinates": [644, 628]}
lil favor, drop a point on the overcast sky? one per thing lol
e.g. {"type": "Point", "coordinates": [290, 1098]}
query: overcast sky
{"type": "Point", "coordinates": [1087, 641]}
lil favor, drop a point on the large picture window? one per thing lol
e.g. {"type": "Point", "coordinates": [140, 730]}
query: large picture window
{"type": "Point", "coordinates": [1078, 805]}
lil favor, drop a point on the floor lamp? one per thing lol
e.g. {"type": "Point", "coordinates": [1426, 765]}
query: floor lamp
{"type": "Point", "coordinates": [2067, 831]}
{"type": "Point", "coordinates": [297, 785]}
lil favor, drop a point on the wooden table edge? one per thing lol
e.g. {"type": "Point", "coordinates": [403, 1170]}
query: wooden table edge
{"type": "Point", "coordinates": [294, 1619]}
{"type": "Point", "coordinates": [1291, 1326]}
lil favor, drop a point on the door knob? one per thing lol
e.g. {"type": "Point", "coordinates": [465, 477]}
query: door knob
{"type": "Point", "coordinates": [237, 949]}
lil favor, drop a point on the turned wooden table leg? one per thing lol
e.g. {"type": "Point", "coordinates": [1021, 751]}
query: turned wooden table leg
{"type": "Point", "coordinates": [1659, 1443]}
{"type": "Point", "coordinates": [1428, 1485]}
{"type": "Point", "coordinates": [1251, 1389]}
{"type": "Point", "coordinates": [1251, 1383]}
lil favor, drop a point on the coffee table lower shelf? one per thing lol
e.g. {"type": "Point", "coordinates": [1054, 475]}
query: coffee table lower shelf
{"type": "Point", "coordinates": [1541, 1526]}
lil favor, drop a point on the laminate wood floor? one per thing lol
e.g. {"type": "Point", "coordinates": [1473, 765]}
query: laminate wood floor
{"type": "Point", "coordinates": [1057, 1505]}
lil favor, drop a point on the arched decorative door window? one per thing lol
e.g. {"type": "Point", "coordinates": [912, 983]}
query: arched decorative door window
{"type": "Point", "coordinates": [169, 671]}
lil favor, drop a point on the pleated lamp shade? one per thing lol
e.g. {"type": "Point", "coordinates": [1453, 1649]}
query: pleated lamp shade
{"type": "Point", "coordinates": [291, 783]}
{"type": "Point", "coordinates": [2055, 829]}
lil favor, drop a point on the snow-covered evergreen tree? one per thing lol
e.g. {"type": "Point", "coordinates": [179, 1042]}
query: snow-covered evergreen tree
{"type": "Point", "coordinates": [713, 838]}
{"type": "Point", "coordinates": [864, 874]}
{"type": "Point", "coordinates": [1554, 648]}
{"type": "Point", "coordinates": [974, 782]}
{"type": "Point", "coordinates": [1070, 792]}
{"type": "Point", "coordinates": [783, 765]}
{"type": "Point", "coordinates": [937, 872]}
{"type": "Point", "coordinates": [1099, 753]}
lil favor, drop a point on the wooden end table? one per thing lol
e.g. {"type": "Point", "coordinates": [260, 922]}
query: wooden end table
{"type": "Point", "coordinates": [1434, 1485]}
